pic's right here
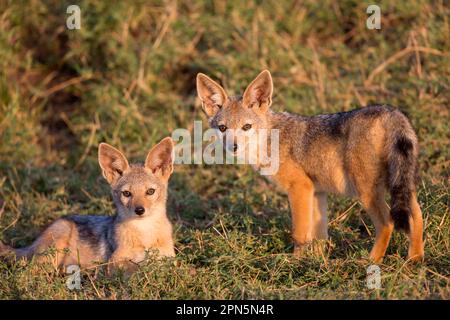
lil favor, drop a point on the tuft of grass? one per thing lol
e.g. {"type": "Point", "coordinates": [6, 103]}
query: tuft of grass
{"type": "Point", "coordinates": [128, 77]}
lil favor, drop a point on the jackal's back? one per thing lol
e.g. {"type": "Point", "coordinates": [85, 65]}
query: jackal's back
{"type": "Point", "coordinates": [96, 233]}
{"type": "Point", "coordinates": [346, 145]}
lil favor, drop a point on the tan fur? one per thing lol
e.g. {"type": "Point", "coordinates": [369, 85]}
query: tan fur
{"type": "Point", "coordinates": [416, 249]}
{"type": "Point", "coordinates": [361, 153]}
{"type": "Point", "coordinates": [135, 239]}
{"type": "Point", "coordinates": [141, 223]}
{"type": "Point", "coordinates": [300, 190]}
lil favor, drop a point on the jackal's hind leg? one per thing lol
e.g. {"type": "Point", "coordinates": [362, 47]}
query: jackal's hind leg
{"type": "Point", "coordinates": [378, 210]}
{"type": "Point", "coordinates": [415, 235]}
{"type": "Point", "coordinates": [57, 236]}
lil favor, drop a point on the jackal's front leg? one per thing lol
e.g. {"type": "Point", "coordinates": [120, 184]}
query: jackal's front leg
{"type": "Point", "coordinates": [121, 261]}
{"type": "Point", "coordinates": [167, 249]}
{"type": "Point", "coordinates": [320, 218]}
{"type": "Point", "coordinates": [301, 199]}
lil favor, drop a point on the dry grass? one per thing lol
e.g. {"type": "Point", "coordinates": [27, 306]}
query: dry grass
{"type": "Point", "coordinates": [127, 77]}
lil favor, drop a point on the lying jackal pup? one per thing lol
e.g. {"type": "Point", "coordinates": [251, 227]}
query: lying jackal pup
{"type": "Point", "coordinates": [361, 153]}
{"type": "Point", "coordinates": [139, 193]}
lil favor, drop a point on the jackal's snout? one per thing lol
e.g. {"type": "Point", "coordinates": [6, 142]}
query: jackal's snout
{"type": "Point", "coordinates": [139, 210]}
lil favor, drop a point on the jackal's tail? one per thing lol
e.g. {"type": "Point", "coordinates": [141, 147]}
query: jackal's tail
{"type": "Point", "coordinates": [402, 168]}
{"type": "Point", "coordinates": [5, 250]}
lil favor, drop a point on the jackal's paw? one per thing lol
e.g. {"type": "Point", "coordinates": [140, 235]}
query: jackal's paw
{"type": "Point", "coordinates": [416, 257]}
{"type": "Point", "coordinates": [121, 268]}
{"type": "Point", "coordinates": [300, 250]}
{"type": "Point", "coordinates": [319, 248]}
{"type": "Point", "coordinates": [376, 258]}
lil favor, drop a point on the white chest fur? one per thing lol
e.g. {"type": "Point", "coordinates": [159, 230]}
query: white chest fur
{"type": "Point", "coordinates": [147, 232]}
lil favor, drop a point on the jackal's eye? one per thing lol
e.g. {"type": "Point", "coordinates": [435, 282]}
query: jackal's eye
{"type": "Point", "coordinates": [247, 127]}
{"type": "Point", "coordinates": [222, 128]}
{"type": "Point", "coordinates": [150, 191]}
{"type": "Point", "coordinates": [126, 194]}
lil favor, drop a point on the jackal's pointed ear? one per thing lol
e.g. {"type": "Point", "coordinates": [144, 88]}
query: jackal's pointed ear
{"type": "Point", "coordinates": [259, 93]}
{"type": "Point", "coordinates": [160, 158]}
{"type": "Point", "coordinates": [112, 162]}
{"type": "Point", "coordinates": [211, 94]}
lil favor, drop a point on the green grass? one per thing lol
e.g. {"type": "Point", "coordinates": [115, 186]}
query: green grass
{"type": "Point", "coordinates": [128, 78]}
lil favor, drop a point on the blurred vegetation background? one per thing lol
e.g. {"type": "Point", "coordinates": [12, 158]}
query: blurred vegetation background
{"type": "Point", "coordinates": [127, 77]}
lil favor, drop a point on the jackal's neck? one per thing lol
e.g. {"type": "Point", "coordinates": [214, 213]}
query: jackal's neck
{"type": "Point", "coordinates": [287, 123]}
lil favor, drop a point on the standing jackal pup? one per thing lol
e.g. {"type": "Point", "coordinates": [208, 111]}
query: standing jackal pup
{"type": "Point", "coordinates": [140, 224]}
{"type": "Point", "coordinates": [364, 153]}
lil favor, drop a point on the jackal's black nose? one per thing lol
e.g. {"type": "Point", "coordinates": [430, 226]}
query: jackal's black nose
{"type": "Point", "coordinates": [235, 146]}
{"type": "Point", "coordinates": [139, 211]}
